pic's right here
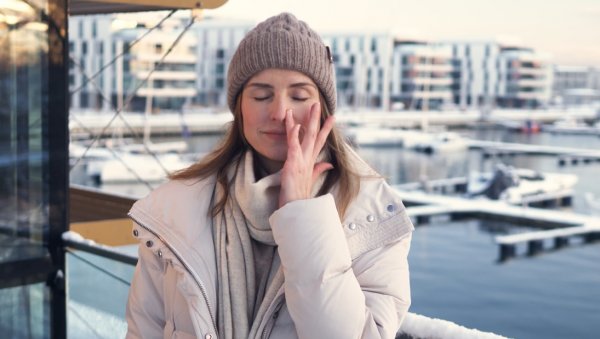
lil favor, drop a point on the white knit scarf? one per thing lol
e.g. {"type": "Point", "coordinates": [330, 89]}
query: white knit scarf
{"type": "Point", "coordinates": [245, 217]}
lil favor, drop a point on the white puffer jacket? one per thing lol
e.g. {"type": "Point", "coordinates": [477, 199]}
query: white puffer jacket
{"type": "Point", "coordinates": [342, 279]}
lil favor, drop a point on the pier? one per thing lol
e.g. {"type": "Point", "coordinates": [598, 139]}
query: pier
{"type": "Point", "coordinates": [458, 185]}
{"type": "Point", "coordinates": [558, 226]}
{"type": "Point", "coordinates": [574, 155]}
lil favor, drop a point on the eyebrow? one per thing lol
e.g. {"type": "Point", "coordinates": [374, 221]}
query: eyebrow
{"type": "Point", "coordinates": [268, 86]}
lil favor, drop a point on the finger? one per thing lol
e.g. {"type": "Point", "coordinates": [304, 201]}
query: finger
{"type": "Point", "coordinates": [293, 141]}
{"type": "Point", "coordinates": [322, 136]}
{"type": "Point", "coordinates": [312, 127]}
{"type": "Point", "coordinates": [320, 168]}
{"type": "Point", "coordinates": [289, 122]}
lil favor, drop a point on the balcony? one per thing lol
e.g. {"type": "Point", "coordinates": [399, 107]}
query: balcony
{"type": "Point", "coordinates": [167, 92]}
{"type": "Point", "coordinates": [167, 75]}
{"type": "Point", "coordinates": [430, 95]}
{"type": "Point", "coordinates": [531, 95]}
{"type": "Point", "coordinates": [541, 83]}
{"type": "Point", "coordinates": [423, 67]}
{"type": "Point", "coordinates": [171, 58]}
{"type": "Point", "coordinates": [428, 81]}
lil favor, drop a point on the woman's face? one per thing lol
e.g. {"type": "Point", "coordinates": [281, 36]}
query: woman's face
{"type": "Point", "coordinates": [265, 99]}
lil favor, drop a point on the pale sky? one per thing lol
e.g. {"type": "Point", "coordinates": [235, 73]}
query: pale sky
{"type": "Point", "coordinates": [567, 29]}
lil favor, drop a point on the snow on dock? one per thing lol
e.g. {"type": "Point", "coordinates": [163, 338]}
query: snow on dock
{"type": "Point", "coordinates": [504, 148]}
{"type": "Point", "coordinates": [563, 225]}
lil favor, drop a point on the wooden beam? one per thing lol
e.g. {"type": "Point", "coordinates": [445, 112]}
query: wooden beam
{"type": "Point", "coordinates": [115, 232]}
{"type": "Point", "coordinates": [85, 7]}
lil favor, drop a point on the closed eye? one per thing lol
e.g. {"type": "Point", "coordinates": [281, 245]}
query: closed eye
{"type": "Point", "coordinates": [262, 98]}
{"type": "Point", "coordinates": [299, 99]}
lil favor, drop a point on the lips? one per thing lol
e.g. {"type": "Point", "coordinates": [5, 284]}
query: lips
{"type": "Point", "coordinates": [274, 133]}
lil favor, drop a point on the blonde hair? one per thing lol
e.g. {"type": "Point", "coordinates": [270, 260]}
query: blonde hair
{"type": "Point", "coordinates": [232, 147]}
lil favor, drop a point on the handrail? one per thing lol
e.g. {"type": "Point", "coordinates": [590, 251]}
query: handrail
{"type": "Point", "coordinates": [75, 241]}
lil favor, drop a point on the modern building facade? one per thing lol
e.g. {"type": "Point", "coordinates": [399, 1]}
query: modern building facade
{"type": "Point", "coordinates": [421, 75]}
{"type": "Point", "coordinates": [193, 74]}
{"type": "Point", "coordinates": [494, 74]}
{"type": "Point", "coordinates": [576, 85]}
{"type": "Point", "coordinates": [374, 69]}
{"type": "Point", "coordinates": [363, 68]}
{"type": "Point", "coordinates": [90, 48]}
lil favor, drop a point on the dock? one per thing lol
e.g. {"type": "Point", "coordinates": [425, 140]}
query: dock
{"type": "Point", "coordinates": [458, 185]}
{"type": "Point", "coordinates": [558, 226]}
{"type": "Point", "coordinates": [565, 154]}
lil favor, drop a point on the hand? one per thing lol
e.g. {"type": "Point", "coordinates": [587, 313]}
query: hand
{"type": "Point", "coordinates": [300, 172]}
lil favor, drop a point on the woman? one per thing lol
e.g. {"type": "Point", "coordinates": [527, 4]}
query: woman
{"type": "Point", "coordinates": [282, 231]}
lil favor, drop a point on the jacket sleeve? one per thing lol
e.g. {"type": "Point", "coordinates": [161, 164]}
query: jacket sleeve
{"type": "Point", "coordinates": [145, 308]}
{"type": "Point", "coordinates": [329, 296]}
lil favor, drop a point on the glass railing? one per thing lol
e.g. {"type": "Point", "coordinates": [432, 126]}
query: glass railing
{"type": "Point", "coordinates": [98, 280]}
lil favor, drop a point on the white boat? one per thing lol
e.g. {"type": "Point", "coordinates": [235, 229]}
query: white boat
{"type": "Point", "coordinates": [442, 142]}
{"type": "Point", "coordinates": [133, 167]}
{"type": "Point", "coordinates": [375, 136]}
{"type": "Point", "coordinates": [525, 126]}
{"type": "Point", "coordinates": [161, 147]}
{"type": "Point", "coordinates": [78, 150]}
{"type": "Point", "coordinates": [570, 125]}
{"type": "Point", "coordinates": [519, 186]}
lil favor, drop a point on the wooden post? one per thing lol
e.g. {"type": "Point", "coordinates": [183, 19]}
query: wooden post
{"type": "Point", "coordinates": [534, 247]}
{"type": "Point", "coordinates": [507, 251]}
{"type": "Point", "coordinates": [560, 242]}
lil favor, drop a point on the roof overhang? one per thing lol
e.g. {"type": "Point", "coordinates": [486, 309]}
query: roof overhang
{"type": "Point", "coordinates": [83, 7]}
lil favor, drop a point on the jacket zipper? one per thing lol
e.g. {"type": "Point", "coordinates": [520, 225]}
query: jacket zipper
{"type": "Point", "coordinates": [198, 282]}
{"type": "Point", "coordinates": [276, 308]}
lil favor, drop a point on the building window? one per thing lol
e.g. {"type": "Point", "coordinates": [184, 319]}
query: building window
{"type": "Point", "coordinates": [373, 45]}
{"type": "Point", "coordinates": [84, 48]}
{"type": "Point", "coordinates": [94, 28]}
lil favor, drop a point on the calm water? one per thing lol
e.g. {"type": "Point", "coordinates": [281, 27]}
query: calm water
{"type": "Point", "coordinates": [454, 270]}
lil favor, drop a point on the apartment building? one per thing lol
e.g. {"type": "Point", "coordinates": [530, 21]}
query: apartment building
{"type": "Point", "coordinates": [90, 47]}
{"type": "Point", "coordinates": [375, 70]}
{"type": "Point", "coordinates": [216, 41]}
{"type": "Point", "coordinates": [421, 75]}
{"type": "Point", "coordinates": [193, 74]}
{"type": "Point", "coordinates": [576, 85]}
{"type": "Point", "coordinates": [363, 68]}
{"type": "Point", "coordinates": [490, 74]}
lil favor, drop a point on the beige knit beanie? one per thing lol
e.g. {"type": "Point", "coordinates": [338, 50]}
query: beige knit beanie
{"type": "Point", "coordinates": [283, 42]}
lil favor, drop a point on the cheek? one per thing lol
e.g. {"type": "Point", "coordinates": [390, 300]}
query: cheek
{"type": "Point", "coordinates": [302, 113]}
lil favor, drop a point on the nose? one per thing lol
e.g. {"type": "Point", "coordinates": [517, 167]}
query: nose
{"type": "Point", "coordinates": [277, 108]}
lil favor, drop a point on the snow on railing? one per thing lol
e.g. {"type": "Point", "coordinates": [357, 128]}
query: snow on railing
{"type": "Point", "coordinates": [417, 326]}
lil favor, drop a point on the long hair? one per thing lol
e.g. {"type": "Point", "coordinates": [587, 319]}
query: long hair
{"type": "Point", "coordinates": [233, 146]}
